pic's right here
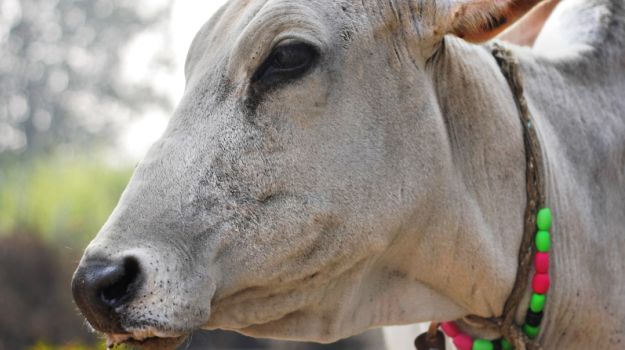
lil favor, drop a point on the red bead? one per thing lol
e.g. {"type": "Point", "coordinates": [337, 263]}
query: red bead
{"type": "Point", "coordinates": [541, 262]}
{"type": "Point", "coordinates": [463, 342]}
{"type": "Point", "coordinates": [540, 283]}
{"type": "Point", "coordinates": [451, 329]}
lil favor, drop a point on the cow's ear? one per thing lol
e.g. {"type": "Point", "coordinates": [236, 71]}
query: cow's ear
{"type": "Point", "coordinates": [481, 20]}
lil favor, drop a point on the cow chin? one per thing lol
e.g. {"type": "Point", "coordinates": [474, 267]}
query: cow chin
{"type": "Point", "coordinates": [145, 341]}
{"type": "Point", "coordinates": [311, 322]}
{"type": "Point", "coordinates": [314, 308]}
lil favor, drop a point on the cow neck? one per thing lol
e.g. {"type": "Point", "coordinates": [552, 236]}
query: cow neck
{"type": "Point", "coordinates": [534, 245]}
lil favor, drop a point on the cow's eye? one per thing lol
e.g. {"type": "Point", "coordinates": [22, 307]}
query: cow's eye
{"type": "Point", "coordinates": [287, 61]}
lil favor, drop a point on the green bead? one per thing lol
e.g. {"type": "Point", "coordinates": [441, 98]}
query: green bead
{"type": "Point", "coordinates": [482, 344]}
{"type": "Point", "coordinates": [543, 221]}
{"type": "Point", "coordinates": [543, 241]}
{"type": "Point", "coordinates": [537, 304]}
{"type": "Point", "coordinates": [505, 345]}
{"type": "Point", "coordinates": [531, 332]}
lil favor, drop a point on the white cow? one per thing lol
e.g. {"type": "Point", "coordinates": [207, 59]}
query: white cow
{"type": "Point", "coordinates": [340, 165]}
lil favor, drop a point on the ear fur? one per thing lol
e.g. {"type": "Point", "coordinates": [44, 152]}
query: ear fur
{"type": "Point", "coordinates": [481, 20]}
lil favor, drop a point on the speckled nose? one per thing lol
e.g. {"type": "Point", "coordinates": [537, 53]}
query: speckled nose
{"type": "Point", "coordinates": [102, 288]}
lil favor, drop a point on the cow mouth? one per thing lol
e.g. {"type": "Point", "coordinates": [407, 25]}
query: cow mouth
{"type": "Point", "coordinates": [146, 340]}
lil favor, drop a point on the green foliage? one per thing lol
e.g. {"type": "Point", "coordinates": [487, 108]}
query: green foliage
{"type": "Point", "coordinates": [63, 201]}
{"type": "Point", "coordinates": [44, 346]}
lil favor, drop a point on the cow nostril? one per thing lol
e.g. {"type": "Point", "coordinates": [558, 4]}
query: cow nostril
{"type": "Point", "coordinates": [120, 288]}
{"type": "Point", "coordinates": [100, 287]}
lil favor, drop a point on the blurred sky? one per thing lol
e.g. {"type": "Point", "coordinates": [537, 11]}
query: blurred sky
{"type": "Point", "coordinates": [187, 18]}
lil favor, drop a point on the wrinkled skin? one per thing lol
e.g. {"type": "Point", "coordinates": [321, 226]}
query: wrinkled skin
{"type": "Point", "coordinates": [384, 186]}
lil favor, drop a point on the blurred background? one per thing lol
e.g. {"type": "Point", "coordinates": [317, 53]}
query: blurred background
{"type": "Point", "coordinates": [86, 86]}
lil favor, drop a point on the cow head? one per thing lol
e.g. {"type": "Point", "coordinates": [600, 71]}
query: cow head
{"type": "Point", "coordinates": [304, 187]}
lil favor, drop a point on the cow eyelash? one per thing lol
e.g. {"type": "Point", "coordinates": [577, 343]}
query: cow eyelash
{"type": "Point", "coordinates": [287, 62]}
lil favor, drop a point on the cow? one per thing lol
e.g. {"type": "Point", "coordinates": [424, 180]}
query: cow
{"type": "Point", "coordinates": [341, 165]}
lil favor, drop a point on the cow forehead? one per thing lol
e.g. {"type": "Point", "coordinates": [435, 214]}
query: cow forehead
{"type": "Point", "coordinates": [246, 27]}
{"type": "Point", "coordinates": [238, 15]}
{"type": "Point", "coordinates": [249, 28]}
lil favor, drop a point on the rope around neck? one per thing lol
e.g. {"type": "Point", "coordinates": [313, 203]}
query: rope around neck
{"type": "Point", "coordinates": [535, 187]}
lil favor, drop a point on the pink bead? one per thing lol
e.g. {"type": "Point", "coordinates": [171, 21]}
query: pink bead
{"type": "Point", "coordinates": [541, 262]}
{"type": "Point", "coordinates": [451, 329]}
{"type": "Point", "coordinates": [463, 342]}
{"type": "Point", "coordinates": [540, 283]}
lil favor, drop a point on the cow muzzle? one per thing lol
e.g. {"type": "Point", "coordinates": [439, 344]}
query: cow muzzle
{"type": "Point", "coordinates": [102, 288]}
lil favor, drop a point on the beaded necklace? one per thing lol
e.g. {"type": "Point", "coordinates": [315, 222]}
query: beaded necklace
{"type": "Point", "coordinates": [535, 245]}
{"type": "Point", "coordinates": [540, 287]}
